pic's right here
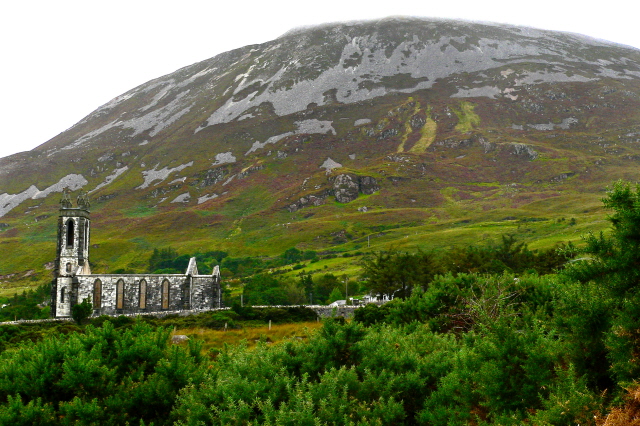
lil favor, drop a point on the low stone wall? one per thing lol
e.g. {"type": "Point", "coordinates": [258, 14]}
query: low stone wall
{"type": "Point", "coordinates": [321, 310]}
{"type": "Point", "coordinates": [35, 321]}
{"type": "Point", "coordinates": [339, 311]}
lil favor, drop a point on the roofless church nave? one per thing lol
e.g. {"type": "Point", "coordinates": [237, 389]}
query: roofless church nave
{"type": "Point", "coordinates": [115, 294]}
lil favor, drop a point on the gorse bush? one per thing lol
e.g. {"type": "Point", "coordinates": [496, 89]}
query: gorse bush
{"type": "Point", "coordinates": [508, 363]}
{"type": "Point", "coordinates": [609, 266]}
{"type": "Point", "coordinates": [101, 377]}
{"type": "Point", "coordinates": [509, 368]}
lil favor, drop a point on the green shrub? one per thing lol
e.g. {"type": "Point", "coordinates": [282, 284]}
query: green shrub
{"type": "Point", "coordinates": [219, 319]}
{"type": "Point", "coordinates": [105, 376]}
{"type": "Point", "coordinates": [17, 413]}
{"type": "Point", "coordinates": [82, 311]}
{"type": "Point", "coordinates": [371, 314]}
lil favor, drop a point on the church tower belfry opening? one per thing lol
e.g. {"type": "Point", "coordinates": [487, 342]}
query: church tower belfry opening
{"type": "Point", "coordinates": [72, 256]}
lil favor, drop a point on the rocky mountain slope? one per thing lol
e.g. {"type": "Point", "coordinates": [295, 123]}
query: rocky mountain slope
{"type": "Point", "coordinates": [331, 134]}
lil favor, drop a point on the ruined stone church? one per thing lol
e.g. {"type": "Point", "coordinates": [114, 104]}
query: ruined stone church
{"type": "Point", "coordinates": [116, 294]}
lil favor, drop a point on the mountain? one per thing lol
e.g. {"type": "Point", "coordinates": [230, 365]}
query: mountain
{"type": "Point", "coordinates": [412, 131]}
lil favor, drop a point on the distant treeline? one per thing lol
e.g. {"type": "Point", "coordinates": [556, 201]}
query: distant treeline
{"type": "Point", "coordinates": [30, 304]}
{"type": "Point", "coordinates": [168, 261]}
{"type": "Point", "coordinates": [398, 273]}
{"type": "Point", "coordinates": [391, 272]}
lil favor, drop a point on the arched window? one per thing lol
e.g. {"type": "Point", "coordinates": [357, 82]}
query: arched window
{"type": "Point", "coordinates": [143, 295]}
{"type": "Point", "coordinates": [62, 291]}
{"type": "Point", "coordinates": [120, 294]}
{"type": "Point", "coordinates": [165, 294]}
{"type": "Point", "coordinates": [70, 232]}
{"type": "Point", "coordinates": [86, 235]}
{"type": "Point", "coordinates": [97, 294]}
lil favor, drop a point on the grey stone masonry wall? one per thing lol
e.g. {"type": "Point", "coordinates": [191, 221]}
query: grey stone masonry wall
{"type": "Point", "coordinates": [184, 293]}
{"type": "Point", "coordinates": [338, 311]}
{"type": "Point", "coordinates": [323, 311]}
{"type": "Point", "coordinates": [131, 292]}
{"type": "Point", "coordinates": [205, 291]}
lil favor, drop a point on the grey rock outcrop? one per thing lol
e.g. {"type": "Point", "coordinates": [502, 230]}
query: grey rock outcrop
{"type": "Point", "coordinates": [347, 187]}
{"type": "Point", "coordinates": [523, 150]}
{"type": "Point", "coordinates": [179, 338]}
{"type": "Point", "coordinates": [308, 201]}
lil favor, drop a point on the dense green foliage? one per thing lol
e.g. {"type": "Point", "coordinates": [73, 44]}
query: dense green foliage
{"type": "Point", "coordinates": [462, 348]}
{"type": "Point", "coordinates": [508, 255]}
{"type": "Point", "coordinates": [264, 289]}
{"type": "Point", "coordinates": [397, 274]}
{"type": "Point", "coordinates": [81, 311]}
{"type": "Point", "coordinates": [270, 289]}
{"type": "Point", "coordinates": [610, 270]}
{"type": "Point", "coordinates": [26, 305]}
{"type": "Point", "coordinates": [470, 349]}
{"type": "Point", "coordinates": [100, 377]}
{"type": "Point", "coordinates": [168, 261]}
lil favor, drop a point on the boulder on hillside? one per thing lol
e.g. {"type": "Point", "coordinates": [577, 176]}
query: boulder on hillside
{"type": "Point", "coordinates": [348, 186]}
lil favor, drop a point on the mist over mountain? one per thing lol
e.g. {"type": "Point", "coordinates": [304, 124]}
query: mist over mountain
{"type": "Point", "coordinates": [332, 133]}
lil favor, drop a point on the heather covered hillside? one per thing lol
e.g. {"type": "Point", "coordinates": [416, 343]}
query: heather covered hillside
{"type": "Point", "coordinates": [340, 139]}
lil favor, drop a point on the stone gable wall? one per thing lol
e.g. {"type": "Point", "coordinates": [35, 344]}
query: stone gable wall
{"type": "Point", "coordinates": [205, 292]}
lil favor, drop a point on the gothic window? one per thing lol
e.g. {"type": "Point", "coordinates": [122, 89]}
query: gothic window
{"type": "Point", "coordinates": [165, 294]}
{"type": "Point", "coordinates": [97, 294]}
{"type": "Point", "coordinates": [86, 235]}
{"type": "Point", "coordinates": [70, 233]}
{"type": "Point", "coordinates": [143, 294]}
{"type": "Point", "coordinates": [62, 291]}
{"type": "Point", "coordinates": [120, 294]}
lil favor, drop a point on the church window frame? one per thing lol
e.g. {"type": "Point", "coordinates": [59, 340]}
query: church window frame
{"type": "Point", "coordinates": [97, 294]}
{"type": "Point", "coordinates": [165, 294]}
{"type": "Point", "coordinates": [86, 235]}
{"type": "Point", "coordinates": [120, 294]}
{"type": "Point", "coordinates": [142, 297]}
{"type": "Point", "coordinates": [70, 233]}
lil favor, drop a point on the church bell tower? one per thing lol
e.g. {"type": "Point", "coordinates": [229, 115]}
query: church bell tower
{"type": "Point", "coordinates": [72, 253]}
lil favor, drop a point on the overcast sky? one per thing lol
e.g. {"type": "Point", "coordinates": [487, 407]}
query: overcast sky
{"type": "Point", "coordinates": [60, 60]}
